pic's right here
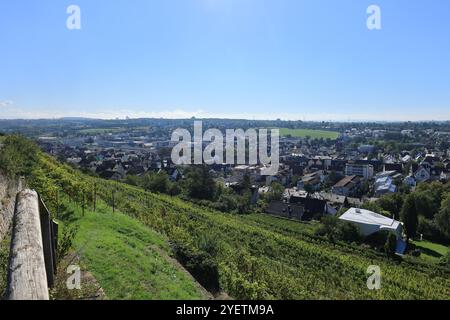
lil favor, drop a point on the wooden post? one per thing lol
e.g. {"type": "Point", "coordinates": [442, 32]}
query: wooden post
{"type": "Point", "coordinates": [47, 242]}
{"type": "Point", "coordinates": [57, 203]}
{"type": "Point", "coordinates": [95, 197]}
{"type": "Point", "coordinates": [82, 205]}
{"type": "Point", "coordinates": [54, 234]}
{"type": "Point", "coordinates": [113, 201]}
{"type": "Point", "coordinates": [27, 277]}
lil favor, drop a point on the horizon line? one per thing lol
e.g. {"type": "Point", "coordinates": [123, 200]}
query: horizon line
{"type": "Point", "coordinates": [81, 118]}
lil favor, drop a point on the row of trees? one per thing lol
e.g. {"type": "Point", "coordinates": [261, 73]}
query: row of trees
{"type": "Point", "coordinates": [198, 186]}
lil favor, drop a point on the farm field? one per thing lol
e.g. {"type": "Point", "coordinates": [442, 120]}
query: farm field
{"type": "Point", "coordinates": [257, 256]}
{"type": "Point", "coordinates": [302, 133]}
{"type": "Point", "coordinates": [93, 131]}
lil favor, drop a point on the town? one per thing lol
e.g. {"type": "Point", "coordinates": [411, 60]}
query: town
{"type": "Point", "coordinates": [322, 169]}
{"type": "Point", "coordinates": [371, 188]}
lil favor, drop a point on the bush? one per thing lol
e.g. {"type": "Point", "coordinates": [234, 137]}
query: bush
{"type": "Point", "coordinates": [335, 229]}
{"type": "Point", "coordinates": [209, 243]}
{"type": "Point", "coordinates": [391, 245]}
{"type": "Point", "coordinates": [416, 253]}
{"type": "Point", "coordinates": [377, 239]}
{"type": "Point", "coordinates": [445, 260]}
{"type": "Point", "coordinates": [200, 264]}
{"type": "Point", "coordinates": [18, 156]}
{"type": "Point", "coordinates": [66, 240]}
{"type": "Point", "coordinates": [430, 231]}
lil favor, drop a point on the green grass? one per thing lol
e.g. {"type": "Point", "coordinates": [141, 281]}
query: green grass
{"type": "Point", "coordinates": [100, 130]}
{"type": "Point", "coordinates": [431, 251]}
{"type": "Point", "coordinates": [302, 133]}
{"type": "Point", "coordinates": [127, 258]}
{"type": "Point", "coordinates": [4, 257]}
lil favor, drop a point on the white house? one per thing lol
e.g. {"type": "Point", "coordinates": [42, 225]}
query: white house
{"type": "Point", "coordinates": [369, 222]}
{"type": "Point", "coordinates": [362, 170]}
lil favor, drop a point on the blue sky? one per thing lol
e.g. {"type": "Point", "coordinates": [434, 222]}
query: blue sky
{"type": "Point", "coordinates": [289, 59]}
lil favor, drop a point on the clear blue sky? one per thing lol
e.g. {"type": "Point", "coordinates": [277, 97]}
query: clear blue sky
{"type": "Point", "coordinates": [311, 59]}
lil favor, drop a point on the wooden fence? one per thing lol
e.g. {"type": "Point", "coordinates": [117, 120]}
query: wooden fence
{"type": "Point", "coordinates": [32, 262]}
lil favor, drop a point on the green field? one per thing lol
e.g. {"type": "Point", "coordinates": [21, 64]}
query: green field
{"type": "Point", "coordinates": [303, 133]}
{"type": "Point", "coordinates": [92, 131]}
{"type": "Point", "coordinates": [128, 260]}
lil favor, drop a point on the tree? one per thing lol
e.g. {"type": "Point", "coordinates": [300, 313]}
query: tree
{"type": "Point", "coordinates": [276, 192]}
{"type": "Point", "coordinates": [375, 207]}
{"type": "Point", "coordinates": [199, 183]}
{"type": "Point", "coordinates": [425, 204]}
{"type": "Point", "coordinates": [174, 189]}
{"type": "Point", "coordinates": [443, 217]}
{"type": "Point", "coordinates": [156, 182]}
{"type": "Point", "coordinates": [246, 182]}
{"type": "Point", "coordinates": [409, 216]}
{"type": "Point", "coordinates": [335, 229]}
{"type": "Point", "coordinates": [390, 245]}
{"type": "Point", "coordinates": [392, 203]}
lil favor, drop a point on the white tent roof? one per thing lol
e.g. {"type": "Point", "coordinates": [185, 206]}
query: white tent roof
{"type": "Point", "coordinates": [366, 217]}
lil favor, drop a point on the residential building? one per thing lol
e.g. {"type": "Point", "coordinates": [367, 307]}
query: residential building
{"type": "Point", "coordinates": [347, 185]}
{"type": "Point", "coordinates": [422, 174]}
{"type": "Point", "coordinates": [384, 185]}
{"type": "Point", "coordinates": [369, 222]}
{"type": "Point", "coordinates": [362, 170]}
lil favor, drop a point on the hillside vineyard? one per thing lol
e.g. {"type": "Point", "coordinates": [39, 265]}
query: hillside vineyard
{"type": "Point", "coordinates": [258, 257]}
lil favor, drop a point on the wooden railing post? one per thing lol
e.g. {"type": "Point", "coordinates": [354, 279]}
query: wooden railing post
{"type": "Point", "coordinates": [48, 242]}
{"type": "Point", "coordinates": [27, 276]}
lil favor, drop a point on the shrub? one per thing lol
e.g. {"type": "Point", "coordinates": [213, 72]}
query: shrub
{"type": "Point", "coordinates": [65, 242]}
{"type": "Point", "coordinates": [200, 264]}
{"type": "Point", "coordinates": [18, 156]}
{"type": "Point", "coordinates": [445, 260]}
{"type": "Point", "coordinates": [335, 229]}
{"type": "Point", "coordinates": [390, 245]}
{"type": "Point", "coordinates": [416, 253]}
{"type": "Point", "coordinates": [431, 231]}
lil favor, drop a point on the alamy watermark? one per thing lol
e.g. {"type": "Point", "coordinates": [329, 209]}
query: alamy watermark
{"type": "Point", "coordinates": [374, 280]}
{"type": "Point", "coordinates": [73, 22]}
{"type": "Point", "coordinates": [374, 19]}
{"type": "Point", "coordinates": [373, 22]}
{"type": "Point", "coordinates": [237, 143]}
{"type": "Point", "coordinates": [74, 280]}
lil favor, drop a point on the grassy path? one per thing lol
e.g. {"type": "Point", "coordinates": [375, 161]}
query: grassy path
{"type": "Point", "coordinates": [128, 259]}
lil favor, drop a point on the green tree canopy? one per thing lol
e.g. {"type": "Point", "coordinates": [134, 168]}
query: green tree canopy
{"type": "Point", "coordinates": [409, 216]}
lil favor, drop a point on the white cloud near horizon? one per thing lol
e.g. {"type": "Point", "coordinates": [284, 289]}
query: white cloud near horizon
{"type": "Point", "coordinates": [6, 103]}
{"type": "Point", "coordinates": [178, 113]}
